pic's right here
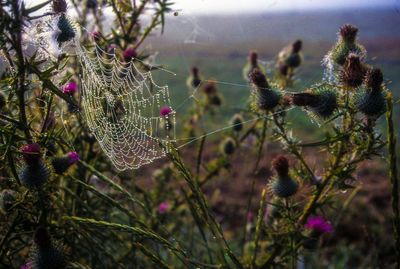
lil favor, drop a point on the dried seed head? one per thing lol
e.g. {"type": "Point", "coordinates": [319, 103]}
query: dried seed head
{"type": "Point", "coordinates": [374, 79]}
{"type": "Point", "coordinates": [281, 165]}
{"type": "Point", "coordinates": [259, 79]}
{"type": "Point", "coordinates": [353, 71]}
{"type": "Point", "coordinates": [348, 32]}
{"type": "Point", "coordinates": [296, 46]}
{"type": "Point", "coordinates": [59, 6]}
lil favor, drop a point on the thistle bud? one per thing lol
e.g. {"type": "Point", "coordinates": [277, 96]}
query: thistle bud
{"type": "Point", "coordinates": [253, 58]}
{"type": "Point", "coordinates": [296, 46]}
{"type": "Point", "coordinates": [67, 31]}
{"type": "Point", "coordinates": [46, 254]}
{"type": "Point", "coordinates": [372, 102]}
{"type": "Point", "coordinates": [353, 71]}
{"type": "Point", "coordinates": [195, 80]}
{"type": "Point", "coordinates": [283, 186]}
{"type": "Point", "coordinates": [7, 200]}
{"type": "Point", "coordinates": [251, 65]}
{"type": "Point", "coordinates": [228, 146]}
{"type": "Point", "coordinates": [320, 100]}
{"type": "Point", "coordinates": [374, 78]}
{"type": "Point", "coordinates": [61, 164]}
{"type": "Point", "coordinates": [267, 99]}
{"type": "Point", "coordinates": [237, 122]}
{"type": "Point", "coordinates": [348, 33]}
{"type": "Point", "coordinates": [346, 44]}
{"type": "Point", "coordinates": [59, 6]}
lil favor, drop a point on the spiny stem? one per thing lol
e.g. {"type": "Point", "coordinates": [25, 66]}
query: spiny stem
{"type": "Point", "coordinates": [393, 175]}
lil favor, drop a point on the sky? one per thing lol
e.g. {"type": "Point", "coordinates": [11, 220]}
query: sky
{"type": "Point", "coordinates": [240, 6]}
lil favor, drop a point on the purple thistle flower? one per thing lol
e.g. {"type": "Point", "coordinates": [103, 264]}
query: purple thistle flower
{"type": "Point", "coordinates": [31, 153]}
{"type": "Point", "coordinates": [70, 88]}
{"type": "Point", "coordinates": [318, 224]}
{"type": "Point", "coordinates": [73, 157]}
{"type": "Point", "coordinates": [163, 207]}
{"type": "Point", "coordinates": [165, 110]}
{"type": "Point", "coordinates": [129, 53]}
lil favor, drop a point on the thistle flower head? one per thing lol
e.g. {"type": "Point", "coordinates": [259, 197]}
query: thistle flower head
{"type": "Point", "coordinates": [348, 33]}
{"type": "Point", "coordinates": [258, 79]}
{"type": "Point", "coordinates": [70, 88]}
{"type": "Point", "coordinates": [318, 224]}
{"type": "Point", "coordinates": [353, 71]}
{"type": "Point", "coordinates": [163, 207]}
{"type": "Point", "coordinates": [62, 163]}
{"type": "Point", "coordinates": [66, 30]}
{"type": "Point", "coordinates": [31, 153]}
{"type": "Point", "coordinates": [284, 185]}
{"type": "Point", "coordinates": [165, 111]}
{"type": "Point", "coordinates": [59, 6]}
{"type": "Point", "coordinates": [129, 53]}
{"type": "Point", "coordinates": [73, 157]}
{"type": "Point", "coordinates": [374, 79]}
{"type": "Point", "coordinates": [296, 46]}
{"type": "Point", "coordinates": [304, 99]}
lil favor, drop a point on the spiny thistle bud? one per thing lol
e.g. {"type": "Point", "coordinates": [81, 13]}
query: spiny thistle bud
{"type": "Point", "coordinates": [348, 33]}
{"type": "Point", "coordinates": [283, 186]}
{"type": "Point", "coordinates": [267, 98]}
{"type": "Point", "coordinates": [2, 101]}
{"type": "Point", "coordinates": [45, 254]}
{"type": "Point", "coordinates": [129, 53]}
{"type": "Point", "coordinates": [237, 122]}
{"type": "Point", "coordinates": [59, 6]}
{"type": "Point", "coordinates": [353, 71]}
{"type": "Point", "coordinates": [34, 176]}
{"type": "Point", "coordinates": [320, 100]}
{"type": "Point", "coordinates": [7, 200]}
{"type": "Point", "coordinates": [194, 80]}
{"type": "Point", "coordinates": [374, 78]}
{"type": "Point", "coordinates": [61, 164]}
{"type": "Point", "coordinates": [31, 153]}
{"type": "Point", "coordinates": [228, 146]}
{"type": "Point", "coordinates": [67, 31]}
{"type": "Point", "coordinates": [296, 46]}
{"type": "Point", "coordinates": [372, 101]}
{"type": "Point", "coordinates": [251, 65]}
{"type": "Point", "coordinates": [346, 44]}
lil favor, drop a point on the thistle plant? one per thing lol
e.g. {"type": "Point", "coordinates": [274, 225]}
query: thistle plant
{"type": "Point", "coordinates": [64, 205]}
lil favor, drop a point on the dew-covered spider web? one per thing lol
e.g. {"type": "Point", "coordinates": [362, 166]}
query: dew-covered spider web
{"type": "Point", "coordinates": [121, 105]}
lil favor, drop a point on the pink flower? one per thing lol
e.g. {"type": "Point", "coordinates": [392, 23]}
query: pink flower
{"type": "Point", "coordinates": [96, 35]}
{"type": "Point", "coordinates": [70, 88]}
{"type": "Point", "coordinates": [163, 207]}
{"type": "Point", "coordinates": [165, 110]}
{"type": "Point", "coordinates": [129, 53]}
{"type": "Point", "coordinates": [31, 153]}
{"type": "Point", "coordinates": [318, 224]}
{"type": "Point", "coordinates": [73, 157]}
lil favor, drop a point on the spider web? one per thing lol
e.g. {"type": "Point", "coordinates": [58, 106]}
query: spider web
{"type": "Point", "coordinates": [121, 105]}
